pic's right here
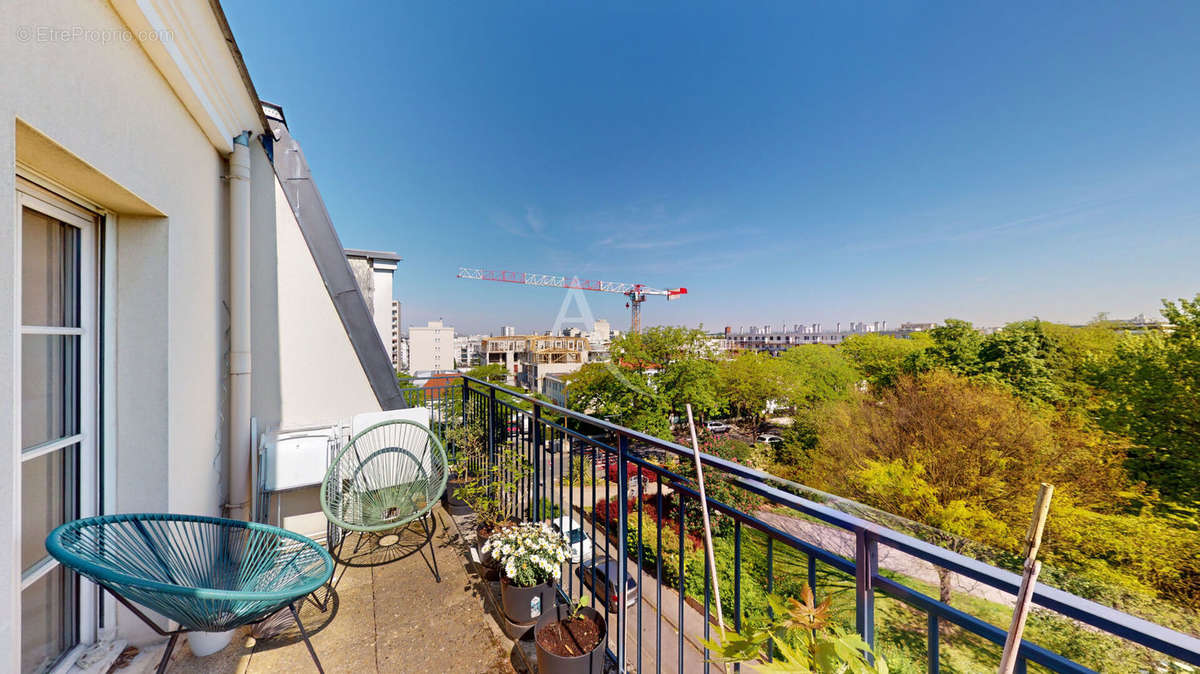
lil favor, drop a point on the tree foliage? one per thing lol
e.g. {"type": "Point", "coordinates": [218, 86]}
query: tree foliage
{"type": "Point", "coordinates": [879, 358]}
{"type": "Point", "coordinates": [493, 373]}
{"type": "Point", "coordinates": [960, 455]}
{"type": "Point", "coordinates": [751, 382]}
{"type": "Point", "coordinates": [620, 394]}
{"type": "Point", "coordinates": [821, 373]}
{"type": "Point", "coordinates": [1153, 387]}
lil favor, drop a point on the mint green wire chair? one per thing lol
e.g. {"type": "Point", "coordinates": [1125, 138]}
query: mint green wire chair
{"type": "Point", "coordinates": [389, 475]}
{"type": "Point", "coordinates": [208, 574]}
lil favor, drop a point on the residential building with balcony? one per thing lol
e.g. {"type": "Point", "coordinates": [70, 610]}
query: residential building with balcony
{"type": "Point", "coordinates": [469, 350]}
{"type": "Point", "coordinates": [504, 351]}
{"type": "Point", "coordinates": [529, 358]}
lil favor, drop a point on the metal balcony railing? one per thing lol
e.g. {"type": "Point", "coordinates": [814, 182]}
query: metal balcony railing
{"type": "Point", "coordinates": [661, 631]}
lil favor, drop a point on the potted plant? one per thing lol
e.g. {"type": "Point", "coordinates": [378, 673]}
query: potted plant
{"type": "Point", "coordinates": [492, 493]}
{"type": "Point", "coordinates": [570, 639]}
{"type": "Point", "coordinates": [531, 556]}
{"type": "Point", "coordinates": [467, 441]}
{"type": "Point", "coordinates": [806, 640]}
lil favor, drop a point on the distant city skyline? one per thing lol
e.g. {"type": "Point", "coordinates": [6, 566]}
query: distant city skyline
{"type": "Point", "coordinates": [794, 162]}
{"type": "Point", "coordinates": [826, 326]}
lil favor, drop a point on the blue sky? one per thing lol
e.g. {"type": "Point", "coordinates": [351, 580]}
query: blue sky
{"type": "Point", "coordinates": [786, 162]}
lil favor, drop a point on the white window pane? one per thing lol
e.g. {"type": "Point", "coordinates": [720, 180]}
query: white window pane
{"type": "Point", "coordinates": [49, 388]}
{"type": "Point", "coordinates": [47, 620]}
{"type": "Point", "coordinates": [49, 271]}
{"type": "Point", "coordinates": [47, 500]}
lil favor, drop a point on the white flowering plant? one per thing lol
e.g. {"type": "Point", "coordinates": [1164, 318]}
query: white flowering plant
{"type": "Point", "coordinates": [530, 554]}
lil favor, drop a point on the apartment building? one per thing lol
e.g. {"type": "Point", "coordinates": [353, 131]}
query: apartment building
{"type": "Point", "coordinates": [765, 340]}
{"type": "Point", "coordinates": [549, 354]}
{"type": "Point", "coordinates": [469, 350]}
{"type": "Point", "coordinates": [431, 348]}
{"type": "Point", "coordinates": [529, 358]}
{"type": "Point", "coordinates": [504, 351]}
{"type": "Point", "coordinates": [554, 387]}
{"type": "Point", "coordinates": [373, 272]}
{"type": "Point", "coordinates": [396, 360]}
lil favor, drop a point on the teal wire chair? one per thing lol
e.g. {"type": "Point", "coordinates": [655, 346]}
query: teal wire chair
{"type": "Point", "coordinates": [389, 475]}
{"type": "Point", "coordinates": [206, 573]}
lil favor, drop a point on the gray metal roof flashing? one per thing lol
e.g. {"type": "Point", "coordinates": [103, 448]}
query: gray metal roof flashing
{"type": "Point", "coordinates": [317, 227]}
{"type": "Point", "coordinates": [374, 254]}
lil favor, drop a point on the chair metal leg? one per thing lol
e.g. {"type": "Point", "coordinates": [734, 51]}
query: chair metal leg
{"type": "Point", "coordinates": [304, 633]}
{"type": "Point", "coordinates": [166, 658]}
{"type": "Point", "coordinates": [429, 531]}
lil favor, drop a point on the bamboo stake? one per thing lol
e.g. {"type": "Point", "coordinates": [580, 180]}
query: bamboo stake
{"type": "Point", "coordinates": [708, 548]}
{"type": "Point", "coordinates": [1033, 541]}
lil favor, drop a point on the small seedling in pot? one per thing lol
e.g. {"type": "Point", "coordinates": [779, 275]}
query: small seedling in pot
{"type": "Point", "coordinates": [577, 607]}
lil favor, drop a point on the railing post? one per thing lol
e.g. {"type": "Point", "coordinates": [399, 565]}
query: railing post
{"type": "Point", "coordinates": [933, 666]}
{"type": "Point", "coordinates": [466, 391]}
{"type": "Point", "coordinates": [539, 460]}
{"type": "Point", "coordinates": [866, 567]}
{"type": "Point", "coordinates": [623, 509]}
{"type": "Point", "coordinates": [491, 425]}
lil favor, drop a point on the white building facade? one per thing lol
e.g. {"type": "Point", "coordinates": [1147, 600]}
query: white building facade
{"type": "Point", "coordinates": [431, 348]}
{"type": "Point", "coordinates": [373, 270]}
{"type": "Point", "coordinates": [160, 296]}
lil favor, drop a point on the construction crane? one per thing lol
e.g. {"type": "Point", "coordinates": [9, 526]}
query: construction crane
{"type": "Point", "coordinates": [635, 292]}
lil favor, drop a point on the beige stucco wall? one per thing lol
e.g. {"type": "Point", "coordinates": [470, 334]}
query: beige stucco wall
{"type": "Point", "coordinates": [99, 119]}
{"type": "Point", "coordinates": [106, 104]}
{"type": "Point", "coordinates": [316, 357]}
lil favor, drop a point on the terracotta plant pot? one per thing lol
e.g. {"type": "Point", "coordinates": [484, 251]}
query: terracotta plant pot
{"type": "Point", "coordinates": [525, 604]}
{"type": "Point", "coordinates": [587, 661]}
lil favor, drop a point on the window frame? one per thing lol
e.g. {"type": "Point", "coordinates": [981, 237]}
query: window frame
{"type": "Point", "coordinates": [32, 196]}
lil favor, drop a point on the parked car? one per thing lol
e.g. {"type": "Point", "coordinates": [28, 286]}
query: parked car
{"type": "Point", "coordinates": [717, 427]}
{"type": "Point", "coordinates": [581, 545]}
{"type": "Point", "coordinates": [606, 570]}
{"type": "Point", "coordinates": [770, 439]}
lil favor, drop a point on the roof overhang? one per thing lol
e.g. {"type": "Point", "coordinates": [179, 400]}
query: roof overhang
{"type": "Point", "coordinates": [190, 43]}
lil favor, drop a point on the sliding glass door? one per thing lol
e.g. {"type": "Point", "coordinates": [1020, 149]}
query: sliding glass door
{"type": "Point", "coordinates": [57, 413]}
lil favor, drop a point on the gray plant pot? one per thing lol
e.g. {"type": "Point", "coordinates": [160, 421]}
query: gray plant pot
{"type": "Point", "coordinates": [588, 663]}
{"type": "Point", "coordinates": [455, 505]}
{"type": "Point", "coordinates": [525, 604]}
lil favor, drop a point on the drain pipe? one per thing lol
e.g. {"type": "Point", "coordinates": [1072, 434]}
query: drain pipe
{"type": "Point", "coordinates": [239, 329]}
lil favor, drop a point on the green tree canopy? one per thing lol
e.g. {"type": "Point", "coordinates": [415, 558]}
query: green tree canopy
{"type": "Point", "coordinates": [751, 381]}
{"type": "Point", "coordinates": [493, 373]}
{"type": "Point", "coordinates": [1153, 386]}
{"type": "Point", "coordinates": [955, 347]}
{"type": "Point", "coordinates": [622, 395]}
{"type": "Point", "coordinates": [879, 358]}
{"type": "Point", "coordinates": [960, 455]}
{"type": "Point", "coordinates": [822, 373]}
{"type": "Point", "coordinates": [678, 362]}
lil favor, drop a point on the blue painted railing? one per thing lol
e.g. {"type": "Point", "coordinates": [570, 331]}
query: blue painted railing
{"type": "Point", "coordinates": [544, 433]}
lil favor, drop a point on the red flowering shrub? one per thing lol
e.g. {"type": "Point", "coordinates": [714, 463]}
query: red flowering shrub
{"type": "Point", "coordinates": [608, 513]}
{"type": "Point", "coordinates": [631, 469]}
